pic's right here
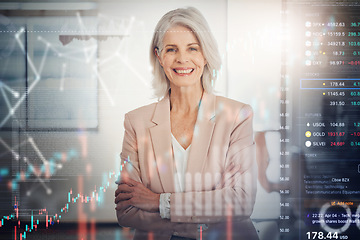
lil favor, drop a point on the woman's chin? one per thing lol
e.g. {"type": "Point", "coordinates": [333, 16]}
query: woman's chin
{"type": "Point", "coordinates": [186, 85]}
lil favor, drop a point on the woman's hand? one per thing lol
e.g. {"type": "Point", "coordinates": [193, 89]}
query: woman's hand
{"type": "Point", "coordinates": [133, 193]}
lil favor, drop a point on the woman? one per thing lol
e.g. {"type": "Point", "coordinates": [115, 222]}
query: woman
{"type": "Point", "coordinates": [189, 166]}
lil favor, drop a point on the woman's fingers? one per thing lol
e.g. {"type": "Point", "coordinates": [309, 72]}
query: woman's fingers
{"type": "Point", "coordinates": [122, 204]}
{"type": "Point", "coordinates": [122, 197]}
{"type": "Point", "coordinates": [133, 193]}
{"type": "Point", "coordinates": [123, 188]}
{"type": "Point", "coordinates": [145, 199]}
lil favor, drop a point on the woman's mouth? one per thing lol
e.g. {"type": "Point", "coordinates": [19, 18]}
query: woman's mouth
{"type": "Point", "coordinates": [183, 71]}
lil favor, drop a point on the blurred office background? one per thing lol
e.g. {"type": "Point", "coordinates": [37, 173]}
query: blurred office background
{"type": "Point", "coordinates": [70, 70]}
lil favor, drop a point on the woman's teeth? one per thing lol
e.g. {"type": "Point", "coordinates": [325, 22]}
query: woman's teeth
{"type": "Point", "coordinates": [183, 71]}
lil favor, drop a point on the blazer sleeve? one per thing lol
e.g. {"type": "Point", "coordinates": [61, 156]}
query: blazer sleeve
{"type": "Point", "coordinates": [235, 192]}
{"type": "Point", "coordinates": [135, 217]}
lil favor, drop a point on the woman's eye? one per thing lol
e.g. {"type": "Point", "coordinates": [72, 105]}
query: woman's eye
{"type": "Point", "coordinates": [193, 49]}
{"type": "Point", "coordinates": [170, 50]}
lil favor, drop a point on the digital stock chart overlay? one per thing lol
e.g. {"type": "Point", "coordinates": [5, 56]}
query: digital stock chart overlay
{"type": "Point", "coordinates": [63, 97]}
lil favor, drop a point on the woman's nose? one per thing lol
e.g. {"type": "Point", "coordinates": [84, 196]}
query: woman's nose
{"type": "Point", "coordinates": [182, 57]}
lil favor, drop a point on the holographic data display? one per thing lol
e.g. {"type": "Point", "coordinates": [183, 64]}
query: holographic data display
{"type": "Point", "coordinates": [321, 90]}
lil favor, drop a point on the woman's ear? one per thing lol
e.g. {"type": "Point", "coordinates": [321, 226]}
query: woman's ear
{"type": "Point", "coordinates": [157, 53]}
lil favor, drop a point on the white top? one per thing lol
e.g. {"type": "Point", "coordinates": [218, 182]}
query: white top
{"type": "Point", "coordinates": [181, 156]}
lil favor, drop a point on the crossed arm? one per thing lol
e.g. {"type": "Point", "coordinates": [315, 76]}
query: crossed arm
{"type": "Point", "coordinates": [138, 207]}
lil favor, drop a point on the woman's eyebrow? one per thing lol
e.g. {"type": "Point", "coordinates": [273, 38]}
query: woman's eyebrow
{"type": "Point", "coordinates": [170, 45]}
{"type": "Point", "coordinates": [174, 45]}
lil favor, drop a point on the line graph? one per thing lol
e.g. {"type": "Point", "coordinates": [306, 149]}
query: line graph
{"type": "Point", "coordinates": [22, 230]}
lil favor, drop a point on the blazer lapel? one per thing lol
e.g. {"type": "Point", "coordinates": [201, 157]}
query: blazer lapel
{"type": "Point", "coordinates": [161, 141]}
{"type": "Point", "coordinates": [202, 134]}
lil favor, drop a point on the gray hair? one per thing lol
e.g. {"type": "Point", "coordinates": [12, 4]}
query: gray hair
{"type": "Point", "coordinates": [191, 18]}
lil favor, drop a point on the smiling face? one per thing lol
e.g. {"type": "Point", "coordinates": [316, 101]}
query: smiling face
{"type": "Point", "coordinates": [182, 58]}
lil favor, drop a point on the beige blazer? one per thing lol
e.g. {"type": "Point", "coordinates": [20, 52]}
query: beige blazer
{"type": "Point", "coordinates": [220, 184]}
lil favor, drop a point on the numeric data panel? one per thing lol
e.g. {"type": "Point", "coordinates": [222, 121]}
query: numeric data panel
{"type": "Point", "coordinates": [322, 69]}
